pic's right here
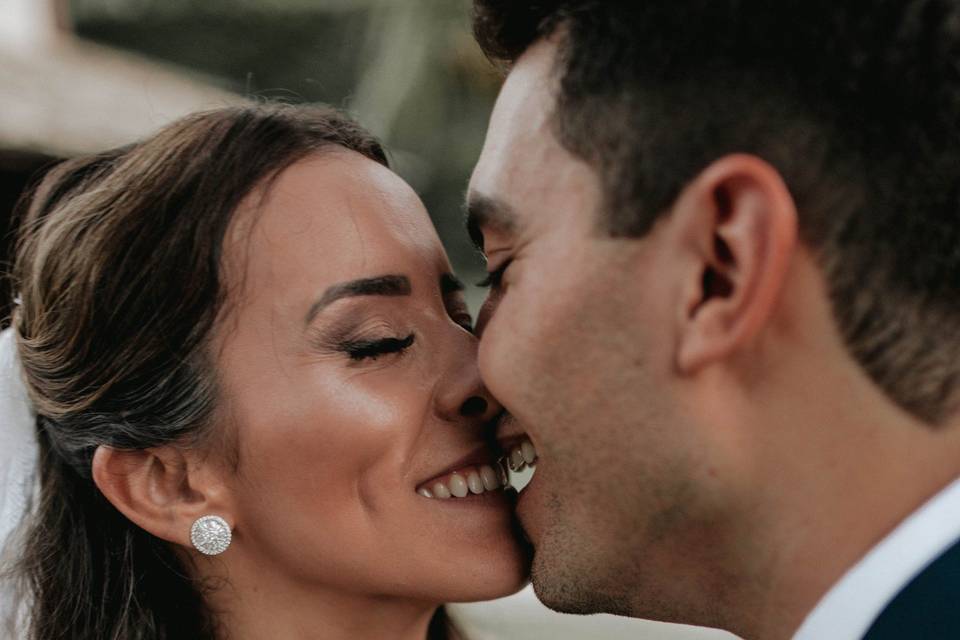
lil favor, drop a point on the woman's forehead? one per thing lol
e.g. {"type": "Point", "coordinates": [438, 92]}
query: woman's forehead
{"type": "Point", "coordinates": [330, 217]}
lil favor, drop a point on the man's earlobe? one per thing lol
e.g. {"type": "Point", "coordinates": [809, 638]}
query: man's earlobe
{"type": "Point", "coordinates": [739, 225]}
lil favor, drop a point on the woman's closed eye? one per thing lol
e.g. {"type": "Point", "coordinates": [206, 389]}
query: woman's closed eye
{"type": "Point", "coordinates": [464, 319]}
{"type": "Point", "coordinates": [451, 288]}
{"type": "Point", "coordinates": [363, 349]}
{"type": "Point", "coordinates": [458, 312]}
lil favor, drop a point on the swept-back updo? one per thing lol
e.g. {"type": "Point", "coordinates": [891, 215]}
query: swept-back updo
{"type": "Point", "coordinates": [118, 272]}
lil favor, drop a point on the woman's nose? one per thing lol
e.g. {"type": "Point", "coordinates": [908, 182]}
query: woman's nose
{"type": "Point", "coordinates": [461, 393]}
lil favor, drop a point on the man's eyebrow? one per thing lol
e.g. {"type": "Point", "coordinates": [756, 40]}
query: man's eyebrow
{"type": "Point", "coordinates": [485, 211]}
{"type": "Point", "coordinates": [390, 285]}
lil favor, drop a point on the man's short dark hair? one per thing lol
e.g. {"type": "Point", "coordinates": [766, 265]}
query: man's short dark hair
{"type": "Point", "coordinates": [857, 105]}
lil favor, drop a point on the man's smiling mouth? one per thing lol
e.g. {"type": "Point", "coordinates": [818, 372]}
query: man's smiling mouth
{"type": "Point", "coordinates": [521, 455]}
{"type": "Point", "coordinates": [520, 460]}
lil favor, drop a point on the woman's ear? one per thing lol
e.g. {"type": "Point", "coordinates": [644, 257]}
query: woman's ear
{"type": "Point", "coordinates": [163, 490]}
{"type": "Point", "coordinates": [737, 223]}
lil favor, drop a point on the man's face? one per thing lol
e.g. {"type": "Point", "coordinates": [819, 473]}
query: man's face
{"type": "Point", "coordinates": [576, 346]}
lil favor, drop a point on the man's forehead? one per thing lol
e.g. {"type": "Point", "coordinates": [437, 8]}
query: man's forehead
{"type": "Point", "coordinates": [526, 101]}
{"type": "Point", "coordinates": [520, 125]}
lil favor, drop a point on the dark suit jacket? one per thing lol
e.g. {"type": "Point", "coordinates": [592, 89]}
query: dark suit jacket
{"type": "Point", "coordinates": [928, 607]}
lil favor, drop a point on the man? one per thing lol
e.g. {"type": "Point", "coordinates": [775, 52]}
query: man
{"type": "Point", "coordinates": [724, 244]}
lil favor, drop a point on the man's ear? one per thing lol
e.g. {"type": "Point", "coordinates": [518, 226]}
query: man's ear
{"type": "Point", "coordinates": [162, 489]}
{"type": "Point", "coordinates": [736, 223]}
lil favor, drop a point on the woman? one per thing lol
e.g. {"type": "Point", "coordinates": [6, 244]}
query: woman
{"type": "Point", "coordinates": [257, 403]}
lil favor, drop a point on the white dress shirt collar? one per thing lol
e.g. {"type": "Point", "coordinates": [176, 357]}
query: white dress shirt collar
{"type": "Point", "coordinates": [848, 609]}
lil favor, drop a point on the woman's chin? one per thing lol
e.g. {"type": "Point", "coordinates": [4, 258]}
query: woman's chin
{"type": "Point", "coordinates": [508, 588]}
{"type": "Point", "coordinates": [469, 549]}
{"type": "Point", "coordinates": [493, 577]}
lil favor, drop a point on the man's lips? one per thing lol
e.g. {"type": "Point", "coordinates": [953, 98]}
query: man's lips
{"type": "Point", "coordinates": [519, 450]}
{"type": "Point", "coordinates": [508, 443]}
{"type": "Point", "coordinates": [508, 428]}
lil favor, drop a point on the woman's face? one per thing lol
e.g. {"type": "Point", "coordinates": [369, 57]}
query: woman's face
{"type": "Point", "coordinates": [348, 379]}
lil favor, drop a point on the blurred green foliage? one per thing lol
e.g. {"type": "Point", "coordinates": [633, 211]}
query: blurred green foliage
{"type": "Point", "coordinates": [408, 69]}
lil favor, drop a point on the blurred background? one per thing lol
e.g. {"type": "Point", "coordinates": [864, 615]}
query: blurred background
{"type": "Point", "coordinates": [81, 76]}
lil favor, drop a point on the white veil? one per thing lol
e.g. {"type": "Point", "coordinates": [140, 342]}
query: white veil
{"type": "Point", "coordinates": [18, 441]}
{"type": "Point", "coordinates": [18, 455]}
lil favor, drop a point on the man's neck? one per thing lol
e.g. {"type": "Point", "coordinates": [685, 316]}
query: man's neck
{"type": "Point", "coordinates": [850, 478]}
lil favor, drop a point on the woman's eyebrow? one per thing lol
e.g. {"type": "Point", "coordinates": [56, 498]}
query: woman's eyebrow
{"type": "Point", "coordinates": [389, 285]}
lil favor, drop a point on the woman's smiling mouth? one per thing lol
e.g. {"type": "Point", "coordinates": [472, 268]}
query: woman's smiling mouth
{"type": "Point", "coordinates": [464, 482]}
{"type": "Point", "coordinates": [480, 473]}
{"type": "Point", "coordinates": [474, 474]}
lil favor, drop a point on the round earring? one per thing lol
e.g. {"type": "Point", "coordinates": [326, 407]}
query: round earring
{"type": "Point", "coordinates": [210, 535]}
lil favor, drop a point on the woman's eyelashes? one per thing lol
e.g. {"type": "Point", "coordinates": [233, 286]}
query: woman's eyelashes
{"type": "Point", "coordinates": [458, 312]}
{"type": "Point", "coordinates": [463, 319]}
{"type": "Point", "coordinates": [363, 349]}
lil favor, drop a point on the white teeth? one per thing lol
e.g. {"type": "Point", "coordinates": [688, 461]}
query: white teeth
{"type": "Point", "coordinates": [516, 459]}
{"type": "Point", "coordinates": [465, 482]}
{"type": "Point", "coordinates": [458, 486]}
{"type": "Point", "coordinates": [474, 480]}
{"type": "Point", "coordinates": [440, 490]}
{"type": "Point", "coordinates": [521, 460]}
{"type": "Point", "coordinates": [474, 483]}
{"type": "Point", "coordinates": [521, 456]}
{"type": "Point", "coordinates": [529, 453]}
{"type": "Point", "coordinates": [489, 477]}
{"type": "Point", "coordinates": [502, 474]}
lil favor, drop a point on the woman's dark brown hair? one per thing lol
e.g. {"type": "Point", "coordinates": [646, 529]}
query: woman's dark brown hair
{"type": "Point", "coordinates": [118, 270]}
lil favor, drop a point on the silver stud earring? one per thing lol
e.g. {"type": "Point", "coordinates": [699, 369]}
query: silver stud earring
{"type": "Point", "coordinates": [210, 535]}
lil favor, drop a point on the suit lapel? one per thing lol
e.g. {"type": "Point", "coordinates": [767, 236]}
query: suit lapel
{"type": "Point", "coordinates": [928, 608]}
